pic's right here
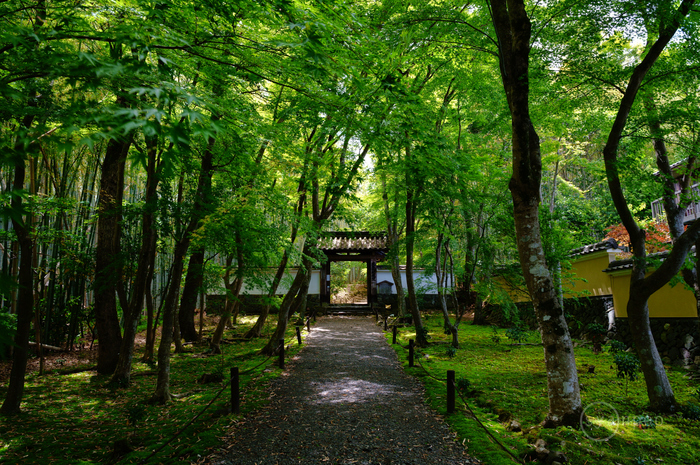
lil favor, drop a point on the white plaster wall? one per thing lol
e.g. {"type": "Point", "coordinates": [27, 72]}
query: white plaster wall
{"type": "Point", "coordinates": [425, 284]}
{"type": "Point", "coordinates": [250, 288]}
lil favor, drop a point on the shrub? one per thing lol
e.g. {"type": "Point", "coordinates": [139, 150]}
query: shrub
{"type": "Point", "coordinates": [616, 346]}
{"type": "Point", "coordinates": [517, 334]}
{"type": "Point", "coordinates": [691, 412]}
{"type": "Point", "coordinates": [627, 367]}
{"type": "Point", "coordinates": [645, 422]}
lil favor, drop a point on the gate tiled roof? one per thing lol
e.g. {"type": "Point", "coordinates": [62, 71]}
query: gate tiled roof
{"type": "Point", "coordinates": [354, 241]}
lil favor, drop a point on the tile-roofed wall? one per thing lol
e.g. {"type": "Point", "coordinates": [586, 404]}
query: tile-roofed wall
{"type": "Point", "coordinates": [618, 265]}
{"type": "Point", "coordinates": [354, 241]}
{"type": "Point", "coordinates": [607, 244]}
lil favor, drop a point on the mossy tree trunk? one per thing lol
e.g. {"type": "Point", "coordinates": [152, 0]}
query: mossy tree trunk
{"type": "Point", "coordinates": [513, 29]}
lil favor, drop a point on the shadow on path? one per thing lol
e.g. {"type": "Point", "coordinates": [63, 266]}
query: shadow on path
{"type": "Point", "coordinates": [344, 400]}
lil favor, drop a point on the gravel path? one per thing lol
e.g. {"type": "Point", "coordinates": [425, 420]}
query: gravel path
{"type": "Point", "coordinates": [345, 400]}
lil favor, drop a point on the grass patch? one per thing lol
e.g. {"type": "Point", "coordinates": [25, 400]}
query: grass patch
{"type": "Point", "coordinates": [76, 419]}
{"type": "Point", "coordinates": [508, 382]}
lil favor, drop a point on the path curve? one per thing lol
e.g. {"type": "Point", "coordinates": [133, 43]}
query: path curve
{"type": "Point", "coordinates": [344, 399]}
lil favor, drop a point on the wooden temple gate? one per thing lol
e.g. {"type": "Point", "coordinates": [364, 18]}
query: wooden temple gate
{"type": "Point", "coordinates": [356, 246]}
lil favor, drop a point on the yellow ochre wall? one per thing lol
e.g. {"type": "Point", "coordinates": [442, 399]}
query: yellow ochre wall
{"type": "Point", "coordinates": [667, 302]}
{"type": "Point", "coordinates": [518, 295]}
{"type": "Point", "coordinates": [590, 268]}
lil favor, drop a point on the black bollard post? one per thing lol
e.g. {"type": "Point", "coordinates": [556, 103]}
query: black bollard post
{"type": "Point", "coordinates": [450, 391]}
{"type": "Point", "coordinates": [386, 321]}
{"type": "Point", "coordinates": [308, 324]}
{"type": "Point", "coordinates": [410, 353]}
{"type": "Point", "coordinates": [282, 353]}
{"type": "Point", "coordinates": [299, 335]}
{"type": "Point", "coordinates": [235, 391]}
{"type": "Point", "coordinates": [393, 338]}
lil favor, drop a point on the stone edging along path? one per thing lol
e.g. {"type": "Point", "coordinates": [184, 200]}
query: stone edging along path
{"type": "Point", "coordinates": [344, 400]}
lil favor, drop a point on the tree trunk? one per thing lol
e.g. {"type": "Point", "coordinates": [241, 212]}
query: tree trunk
{"type": "Point", "coordinates": [162, 391]}
{"type": "Point", "coordinates": [393, 236]}
{"type": "Point", "coordinates": [513, 29]}
{"type": "Point", "coordinates": [188, 301]}
{"type": "Point", "coordinates": [107, 253]}
{"type": "Point", "coordinates": [289, 300]}
{"type": "Point", "coordinates": [659, 390]}
{"type": "Point", "coordinates": [256, 330]}
{"type": "Point", "coordinates": [421, 339]}
{"type": "Point", "coordinates": [25, 297]}
{"type": "Point", "coordinates": [233, 291]}
{"type": "Point", "coordinates": [132, 313]}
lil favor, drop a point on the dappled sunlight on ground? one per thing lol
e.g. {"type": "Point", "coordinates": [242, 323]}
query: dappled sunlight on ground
{"type": "Point", "coordinates": [348, 390]}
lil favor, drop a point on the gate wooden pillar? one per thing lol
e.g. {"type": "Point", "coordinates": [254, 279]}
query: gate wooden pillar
{"type": "Point", "coordinates": [372, 281]}
{"type": "Point", "coordinates": [325, 282]}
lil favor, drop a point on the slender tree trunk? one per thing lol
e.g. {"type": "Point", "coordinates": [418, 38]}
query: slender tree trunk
{"type": "Point", "coordinates": [151, 321]}
{"type": "Point", "coordinates": [162, 391]}
{"type": "Point", "coordinates": [440, 274]}
{"type": "Point", "coordinates": [287, 303]}
{"type": "Point", "coordinates": [421, 339]}
{"type": "Point", "coordinates": [25, 292]}
{"type": "Point", "coordinates": [188, 301]}
{"type": "Point", "coordinates": [256, 330]}
{"type": "Point", "coordinates": [132, 313]}
{"type": "Point", "coordinates": [233, 291]}
{"type": "Point", "coordinates": [513, 29]}
{"type": "Point", "coordinates": [659, 390]}
{"type": "Point", "coordinates": [393, 236]}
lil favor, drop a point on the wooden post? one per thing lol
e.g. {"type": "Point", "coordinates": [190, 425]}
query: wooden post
{"type": "Point", "coordinates": [299, 335]}
{"type": "Point", "coordinates": [282, 354]}
{"type": "Point", "coordinates": [235, 391]}
{"type": "Point", "coordinates": [410, 353]}
{"type": "Point", "coordinates": [450, 391]}
{"type": "Point", "coordinates": [393, 336]}
{"type": "Point", "coordinates": [386, 322]}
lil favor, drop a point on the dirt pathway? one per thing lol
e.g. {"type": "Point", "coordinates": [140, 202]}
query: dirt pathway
{"type": "Point", "coordinates": [344, 400]}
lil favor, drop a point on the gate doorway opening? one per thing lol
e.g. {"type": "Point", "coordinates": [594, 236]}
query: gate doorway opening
{"type": "Point", "coordinates": [349, 283]}
{"type": "Point", "coordinates": [348, 254]}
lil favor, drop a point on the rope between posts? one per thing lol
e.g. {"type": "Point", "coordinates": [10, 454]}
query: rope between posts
{"type": "Point", "coordinates": [216, 396]}
{"type": "Point", "coordinates": [444, 380]}
{"type": "Point", "coordinates": [468, 408]}
{"type": "Point", "coordinates": [471, 412]}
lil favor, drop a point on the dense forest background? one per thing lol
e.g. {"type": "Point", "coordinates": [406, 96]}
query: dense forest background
{"type": "Point", "coordinates": [154, 150]}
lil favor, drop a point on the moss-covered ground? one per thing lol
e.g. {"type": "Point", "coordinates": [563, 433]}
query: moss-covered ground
{"type": "Point", "coordinates": [75, 418]}
{"type": "Point", "coordinates": [508, 382]}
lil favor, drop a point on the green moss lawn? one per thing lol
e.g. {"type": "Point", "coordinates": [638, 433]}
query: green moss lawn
{"type": "Point", "coordinates": [507, 382]}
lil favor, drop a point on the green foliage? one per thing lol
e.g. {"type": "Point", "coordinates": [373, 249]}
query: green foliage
{"type": "Point", "coordinates": [517, 334]}
{"type": "Point", "coordinates": [596, 332]}
{"type": "Point", "coordinates": [627, 365]}
{"type": "Point", "coordinates": [495, 338]}
{"type": "Point", "coordinates": [645, 422]}
{"type": "Point", "coordinates": [615, 346]}
{"type": "Point", "coordinates": [691, 412]}
{"type": "Point", "coordinates": [8, 326]}
{"type": "Point", "coordinates": [451, 352]}
{"type": "Point", "coordinates": [464, 385]}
